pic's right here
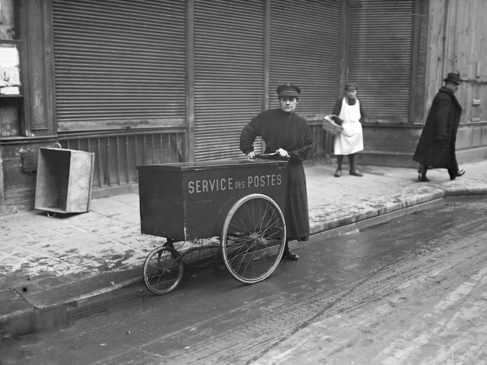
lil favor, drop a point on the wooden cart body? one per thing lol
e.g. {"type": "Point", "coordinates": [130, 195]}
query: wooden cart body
{"type": "Point", "coordinates": [188, 201]}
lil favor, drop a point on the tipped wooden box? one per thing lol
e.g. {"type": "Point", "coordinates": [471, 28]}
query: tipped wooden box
{"type": "Point", "coordinates": [64, 180]}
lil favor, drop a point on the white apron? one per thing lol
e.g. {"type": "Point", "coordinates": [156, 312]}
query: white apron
{"type": "Point", "coordinates": [350, 140]}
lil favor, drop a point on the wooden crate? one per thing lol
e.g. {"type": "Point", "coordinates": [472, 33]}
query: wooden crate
{"type": "Point", "coordinates": [64, 179]}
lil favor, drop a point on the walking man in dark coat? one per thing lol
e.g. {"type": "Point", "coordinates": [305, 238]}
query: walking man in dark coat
{"type": "Point", "coordinates": [287, 134]}
{"type": "Point", "coordinates": [436, 146]}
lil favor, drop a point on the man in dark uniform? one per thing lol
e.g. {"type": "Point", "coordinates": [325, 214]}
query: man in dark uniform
{"type": "Point", "coordinates": [288, 134]}
{"type": "Point", "coordinates": [436, 146]}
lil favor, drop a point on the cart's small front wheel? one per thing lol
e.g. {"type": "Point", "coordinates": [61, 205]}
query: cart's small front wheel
{"type": "Point", "coordinates": [253, 238]}
{"type": "Point", "coordinates": [162, 270]}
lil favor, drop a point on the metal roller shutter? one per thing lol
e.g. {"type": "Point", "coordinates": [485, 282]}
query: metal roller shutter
{"type": "Point", "coordinates": [119, 64]}
{"type": "Point", "coordinates": [304, 50]}
{"type": "Point", "coordinates": [229, 65]}
{"type": "Point", "coordinates": [381, 46]}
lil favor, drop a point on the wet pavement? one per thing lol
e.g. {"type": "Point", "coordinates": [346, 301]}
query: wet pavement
{"type": "Point", "coordinates": [54, 270]}
{"type": "Point", "coordinates": [406, 292]}
{"type": "Point", "coordinates": [425, 303]}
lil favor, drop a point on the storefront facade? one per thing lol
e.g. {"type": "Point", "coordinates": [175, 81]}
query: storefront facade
{"type": "Point", "coordinates": [145, 82]}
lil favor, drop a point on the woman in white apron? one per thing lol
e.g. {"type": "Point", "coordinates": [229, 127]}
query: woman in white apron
{"type": "Point", "coordinates": [350, 140]}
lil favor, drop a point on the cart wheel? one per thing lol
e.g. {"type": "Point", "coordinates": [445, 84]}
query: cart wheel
{"type": "Point", "coordinates": [253, 238]}
{"type": "Point", "coordinates": [162, 271]}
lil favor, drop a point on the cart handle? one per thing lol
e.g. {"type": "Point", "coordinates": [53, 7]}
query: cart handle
{"type": "Point", "coordinates": [271, 156]}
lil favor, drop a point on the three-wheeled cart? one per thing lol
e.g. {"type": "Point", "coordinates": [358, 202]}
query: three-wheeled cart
{"type": "Point", "coordinates": [232, 209]}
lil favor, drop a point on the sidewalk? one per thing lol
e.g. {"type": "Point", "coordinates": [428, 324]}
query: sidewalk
{"type": "Point", "coordinates": [55, 270]}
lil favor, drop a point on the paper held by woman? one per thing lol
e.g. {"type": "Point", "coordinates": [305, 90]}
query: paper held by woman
{"type": "Point", "coordinates": [332, 124]}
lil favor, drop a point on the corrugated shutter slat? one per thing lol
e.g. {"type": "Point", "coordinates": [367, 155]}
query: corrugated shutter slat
{"type": "Point", "coordinates": [304, 50]}
{"type": "Point", "coordinates": [381, 45]}
{"type": "Point", "coordinates": [119, 61]}
{"type": "Point", "coordinates": [228, 74]}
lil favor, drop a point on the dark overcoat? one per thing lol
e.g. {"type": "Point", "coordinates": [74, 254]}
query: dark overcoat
{"type": "Point", "coordinates": [292, 133]}
{"type": "Point", "coordinates": [436, 146]}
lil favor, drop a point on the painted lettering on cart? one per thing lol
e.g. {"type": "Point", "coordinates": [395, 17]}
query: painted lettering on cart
{"type": "Point", "coordinates": [230, 183]}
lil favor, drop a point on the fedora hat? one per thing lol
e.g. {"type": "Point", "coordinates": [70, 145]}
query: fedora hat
{"type": "Point", "coordinates": [453, 78]}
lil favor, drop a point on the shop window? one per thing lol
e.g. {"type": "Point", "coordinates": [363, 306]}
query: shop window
{"type": "Point", "coordinates": [10, 80]}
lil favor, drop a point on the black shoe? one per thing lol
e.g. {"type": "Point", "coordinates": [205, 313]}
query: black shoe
{"type": "Point", "coordinates": [356, 173]}
{"type": "Point", "coordinates": [291, 256]}
{"type": "Point", "coordinates": [423, 178]}
{"type": "Point", "coordinates": [338, 173]}
{"type": "Point", "coordinates": [458, 174]}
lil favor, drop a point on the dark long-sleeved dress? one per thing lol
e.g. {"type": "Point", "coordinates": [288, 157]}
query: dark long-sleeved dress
{"type": "Point", "coordinates": [291, 132]}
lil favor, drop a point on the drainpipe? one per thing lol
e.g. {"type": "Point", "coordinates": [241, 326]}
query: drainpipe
{"type": "Point", "coordinates": [445, 27]}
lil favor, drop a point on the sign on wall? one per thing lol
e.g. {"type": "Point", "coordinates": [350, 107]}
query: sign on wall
{"type": "Point", "coordinates": [9, 69]}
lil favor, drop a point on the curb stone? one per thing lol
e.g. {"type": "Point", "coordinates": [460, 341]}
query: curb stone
{"type": "Point", "coordinates": [49, 310]}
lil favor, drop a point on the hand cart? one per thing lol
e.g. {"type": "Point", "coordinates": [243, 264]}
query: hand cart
{"type": "Point", "coordinates": [229, 209]}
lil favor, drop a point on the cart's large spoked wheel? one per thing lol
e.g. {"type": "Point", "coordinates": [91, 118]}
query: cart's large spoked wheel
{"type": "Point", "coordinates": [162, 271]}
{"type": "Point", "coordinates": [253, 238]}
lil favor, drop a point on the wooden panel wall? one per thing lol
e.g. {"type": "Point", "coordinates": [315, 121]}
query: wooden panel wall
{"type": "Point", "coordinates": [322, 141]}
{"type": "Point", "coordinates": [118, 154]}
{"type": "Point", "coordinates": [457, 43]}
